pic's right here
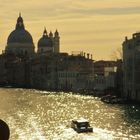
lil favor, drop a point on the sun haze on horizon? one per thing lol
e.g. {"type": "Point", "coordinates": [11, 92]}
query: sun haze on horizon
{"type": "Point", "coordinates": [93, 26]}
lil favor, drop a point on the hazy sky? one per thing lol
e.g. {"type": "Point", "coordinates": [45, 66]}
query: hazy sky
{"type": "Point", "coordinates": [93, 26]}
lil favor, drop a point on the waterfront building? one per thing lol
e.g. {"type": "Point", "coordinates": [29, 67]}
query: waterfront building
{"type": "Point", "coordinates": [51, 72]}
{"type": "Point", "coordinates": [2, 70]}
{"type": "Point", "coordinates": [47, 68]}
{"type": "Point", "coordinates": [106, 75]}
{"type": "Point", "coordinates": [38, 72]}
{"type": "Point", "coordinates": [100, 65]}
{"type": "Point", "coordinates": [119, 77]}
{"type": "Point", "coordinates": [110, 73]}
{"type": "Point", "coordinates": [44, 71]}
{"type": "Point", "coordinates": [99, 83]}
{"type": "Point", "coordinates": [61, 72]}
{"type": "Point", "coordinates": [77, 73]}
{"type": "Point", "coordinates": [131, 67]}
{"type": "Point", "coordinates": [107, 80]}
{"type": "Point", "coordinates": [16, 73]}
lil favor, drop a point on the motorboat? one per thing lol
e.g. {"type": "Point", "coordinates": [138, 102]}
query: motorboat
{"type": "Point", "coordinates": [81, 125]}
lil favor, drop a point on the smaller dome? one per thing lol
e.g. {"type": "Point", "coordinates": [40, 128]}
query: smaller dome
{"type": "Point", "coordinates": [45, 41]}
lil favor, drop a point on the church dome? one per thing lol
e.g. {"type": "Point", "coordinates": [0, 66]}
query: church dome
{"type": "Point", "coordinates": [20, 35]}
{"type": "Point", "coordinates": [45, 41]}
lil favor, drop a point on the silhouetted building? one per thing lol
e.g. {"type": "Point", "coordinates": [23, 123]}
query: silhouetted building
{"type": "Point", "coordinates": [119, 78]}
{"type": "Point", "coordinates": [100, 65]}
{"type": "Point", "coordinates": [75, 72]}
{"type": "Point", "coordinates": [106, 80]}
{"type": "Point", "coordinates": [20, 41]}
{"type": "Point", "coordinates": [47, 69]}
{"type": "Point", "coordinates": [131, 67]}
{"type": "Point", "coordinates": [3, 71]}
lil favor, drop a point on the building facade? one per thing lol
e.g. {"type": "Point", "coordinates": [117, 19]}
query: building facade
{"type": "Point", "coordinates": [105, 73]}
{"type": "Point", "coordinates": [100, 65]}
{"type": "Point", "coordinates": [75, 73]}
{"type": "Point", "coordinates": [131, 67]}
{"type": "Point", "coordinates": [45, 69]}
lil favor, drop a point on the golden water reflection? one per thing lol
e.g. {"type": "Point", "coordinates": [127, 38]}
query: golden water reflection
{"type": "Point", "coordinates": [40, 115]}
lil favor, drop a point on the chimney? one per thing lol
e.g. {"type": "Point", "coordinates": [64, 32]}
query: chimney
{"type": "Point", "coordinates": [126, 39]}
{"type": "Point", "coordinates": [88, 55]}
{"type": "Point", "coordinates": [84, 54]}
{"type": "Point", "coordinates": [91, 57]}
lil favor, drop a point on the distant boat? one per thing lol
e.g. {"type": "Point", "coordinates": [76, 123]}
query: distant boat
{"type": "Point", "coordinates": [113, 99]}
{"type": "Point", "coordinates": [81, 125]}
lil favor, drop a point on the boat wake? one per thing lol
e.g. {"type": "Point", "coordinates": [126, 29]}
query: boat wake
{"type": "Point", "coordinates": [70, 134]}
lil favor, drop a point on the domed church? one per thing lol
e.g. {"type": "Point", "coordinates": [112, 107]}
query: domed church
{"type": "Point", "coordinates": [48, 43]}
{"type": "Point", "coordinates": [20, 41]}
{"type": "Point", "coordinates": [45, 43]}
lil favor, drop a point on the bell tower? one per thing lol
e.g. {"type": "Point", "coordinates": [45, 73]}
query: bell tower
{"type": "Point", "coordinates": [56, 42]}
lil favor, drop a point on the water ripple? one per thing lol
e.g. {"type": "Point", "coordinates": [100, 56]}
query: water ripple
{"type": "Point", "coordinates": [41, 115]}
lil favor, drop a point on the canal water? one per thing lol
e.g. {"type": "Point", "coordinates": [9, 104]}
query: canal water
{"type": "Point", "coordinates": [42, 115]}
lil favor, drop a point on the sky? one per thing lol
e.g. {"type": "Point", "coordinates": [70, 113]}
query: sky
{"type": "Point", "coordinates": [97, 27]}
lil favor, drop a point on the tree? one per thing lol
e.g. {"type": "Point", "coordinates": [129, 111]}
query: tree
{"type": "Point", "coordinates": [117, 54]}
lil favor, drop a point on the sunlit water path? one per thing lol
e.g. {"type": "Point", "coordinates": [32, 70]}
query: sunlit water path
{"type": "Point", "coordinates": [41, 115]}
